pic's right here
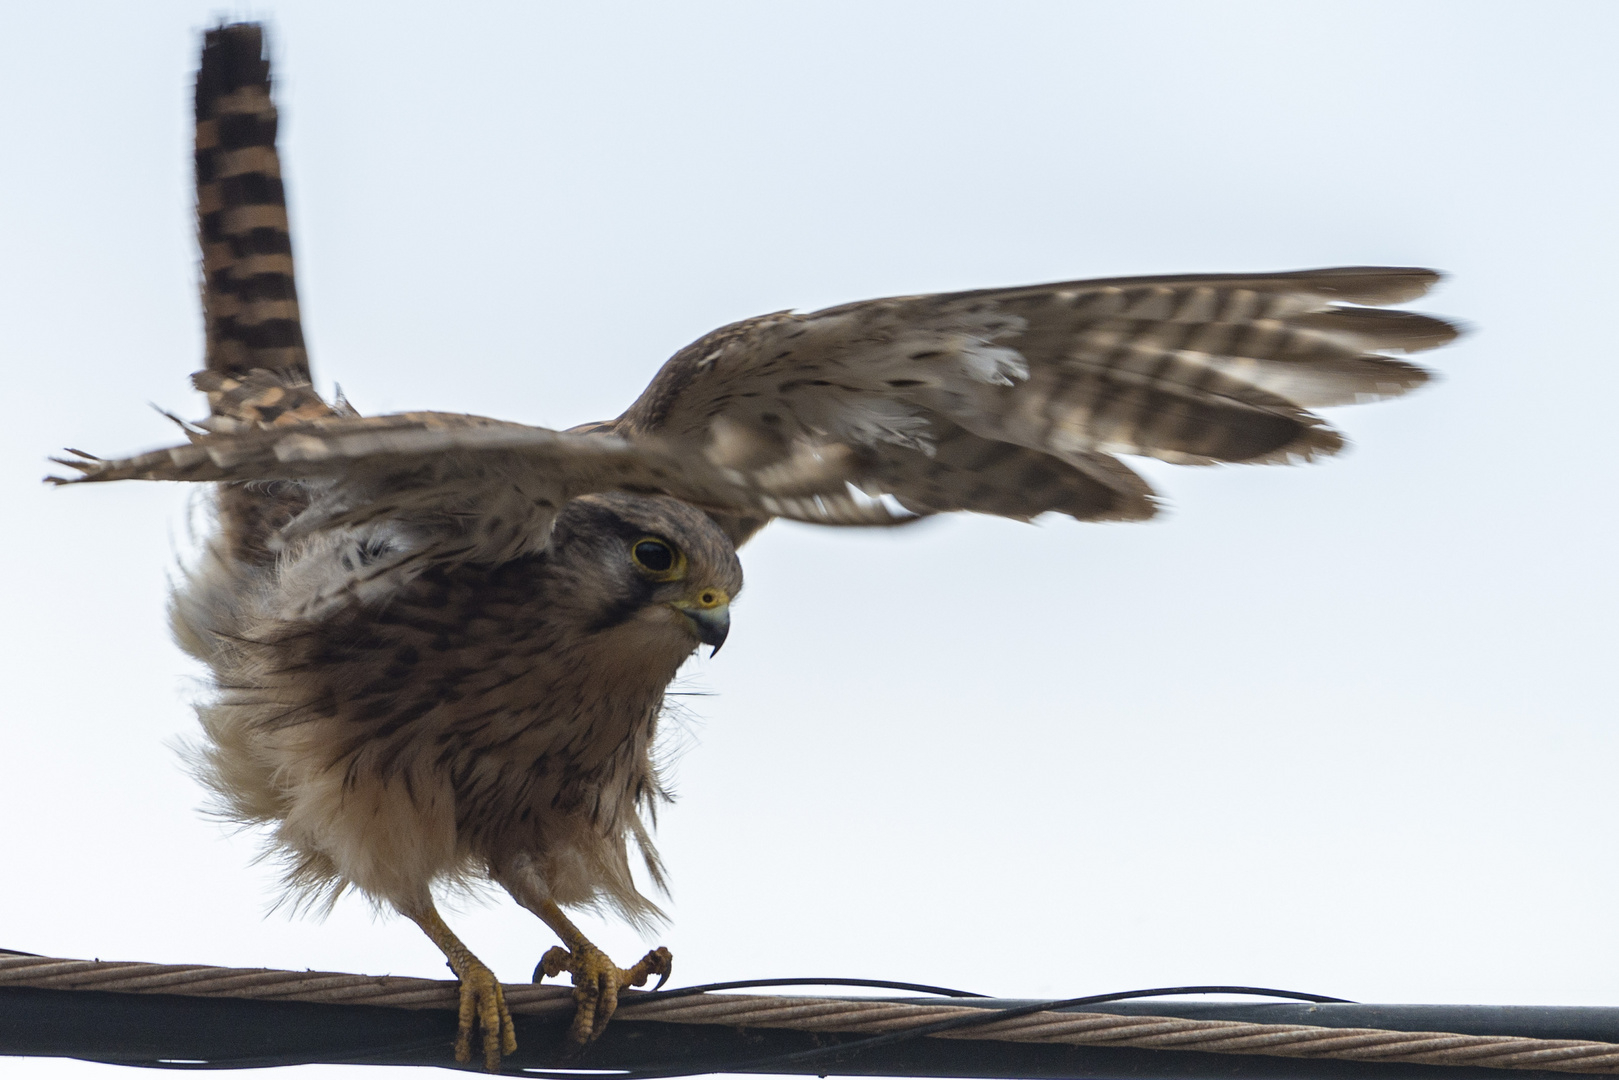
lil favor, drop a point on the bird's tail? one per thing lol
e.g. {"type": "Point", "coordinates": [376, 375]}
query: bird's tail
{"type": "Point", "coordinates": [257, 369]}
{"type": "Point", "coordinates": [256, 360]}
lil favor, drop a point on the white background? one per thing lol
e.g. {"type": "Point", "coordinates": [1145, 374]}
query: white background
{"type": "Point", "coordinates": [1346, 728]}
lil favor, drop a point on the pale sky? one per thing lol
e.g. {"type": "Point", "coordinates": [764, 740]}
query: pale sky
{"type": "Point", "coordinates": [1346, 728]}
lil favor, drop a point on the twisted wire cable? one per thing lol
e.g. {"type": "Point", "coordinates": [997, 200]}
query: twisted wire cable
{"type": "Point", "coordinates": [887, 1020]}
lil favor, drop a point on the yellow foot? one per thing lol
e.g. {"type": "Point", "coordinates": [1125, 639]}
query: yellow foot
{"type": "Point", "coordinates": [483, 1003]}
{"type": "Point", "coordinates": [596, 982]}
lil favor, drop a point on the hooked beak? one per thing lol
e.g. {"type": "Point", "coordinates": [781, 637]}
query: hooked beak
{"type": "Point", "coordinates": [709, 615]}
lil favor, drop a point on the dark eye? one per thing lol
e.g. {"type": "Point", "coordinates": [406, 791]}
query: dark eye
{"type": "Point", "coordinates": [653, 555]}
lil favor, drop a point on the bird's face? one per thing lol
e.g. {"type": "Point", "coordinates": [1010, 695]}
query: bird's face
{"type": "Point", "coordinates": [652, 573]}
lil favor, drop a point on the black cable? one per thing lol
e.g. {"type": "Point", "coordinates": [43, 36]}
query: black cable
{"type": "Point", "coordinates": [989, 1016]}
{"type": "Point", "coordinates": [658, 995]}
{"type": "Point", "coordinates": [857, 1046]}
{"type": "Point", "coordinates": [740, 984]}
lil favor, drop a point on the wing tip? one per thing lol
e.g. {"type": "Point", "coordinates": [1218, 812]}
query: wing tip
{"type": "Point", "coordinates": [1371, 284]}
{"type": "Point", "coordinates": [87, 465]}
{"type": "Point", "coordinates": [1317, 442]}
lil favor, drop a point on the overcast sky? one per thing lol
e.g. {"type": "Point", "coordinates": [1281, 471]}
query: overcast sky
{"type": "Point", "coordinates": [1347, 728]}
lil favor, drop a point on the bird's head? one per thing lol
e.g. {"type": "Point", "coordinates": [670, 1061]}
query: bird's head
{"type": "Point", "coordinates": [652, 572]}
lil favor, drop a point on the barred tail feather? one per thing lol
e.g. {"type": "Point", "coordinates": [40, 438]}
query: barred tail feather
{"type": "Point", "coordinates": [250, 300]}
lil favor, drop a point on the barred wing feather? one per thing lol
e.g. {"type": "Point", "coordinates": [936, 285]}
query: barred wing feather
{"type": "Point", "coordinates": [1014, 401]}
{"type": "Point", "coordinates": [448, 488]}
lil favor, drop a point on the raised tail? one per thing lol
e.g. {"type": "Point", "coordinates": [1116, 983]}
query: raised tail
{"type": "Point", "coordinates": [257, 368]}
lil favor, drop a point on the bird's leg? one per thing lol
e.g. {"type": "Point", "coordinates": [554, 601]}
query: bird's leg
{"type": "Point", "coordinates": [596, 979]}
{"type": "Point", "coordinates": [482, 1001]}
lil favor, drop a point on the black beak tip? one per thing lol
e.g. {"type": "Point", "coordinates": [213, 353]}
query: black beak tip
{"type": "Point", "coordinates": [711, 627]}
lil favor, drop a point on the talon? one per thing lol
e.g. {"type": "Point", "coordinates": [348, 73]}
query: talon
{"type": "Point", "coordinates": [483, 1004]}
{"type": "Point", "coordinates": [553, 963]}
{"type": "Point", "coordinates": [658, 962]}
{"type": "Point", "coordinates": [596, 983]}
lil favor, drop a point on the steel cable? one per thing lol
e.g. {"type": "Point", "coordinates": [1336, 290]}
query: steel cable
{"type": "Point", "coordinates": [882, 1022]}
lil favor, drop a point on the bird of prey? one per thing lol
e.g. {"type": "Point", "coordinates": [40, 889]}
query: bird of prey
{"type": "Point", "coordinates": [440, 643]}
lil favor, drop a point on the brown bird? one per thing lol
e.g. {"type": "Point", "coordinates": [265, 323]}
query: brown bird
{"type": "Point", "coordinates": [440, 643]}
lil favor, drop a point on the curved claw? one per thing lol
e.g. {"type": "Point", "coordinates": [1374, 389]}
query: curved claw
{"type": "Point", "coordinates": [554, 962]}
{"type": "Point", "coordinates": [657, 962]}
{"type": "Point", "coordinates": [596, 983]}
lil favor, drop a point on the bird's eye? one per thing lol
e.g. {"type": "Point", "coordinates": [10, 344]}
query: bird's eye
{"type": "Point", "coordinates": [657, 557]}
{"type": "Point", "coordinates": [654, 555]}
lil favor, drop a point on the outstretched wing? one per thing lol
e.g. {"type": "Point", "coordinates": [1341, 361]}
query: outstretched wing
{"type": "Point", "coordinates": [446, 467]}
{"type": "Point", "coordinates": [387, 496]}
{"type": "Point", "coordinates": [1015, 401]}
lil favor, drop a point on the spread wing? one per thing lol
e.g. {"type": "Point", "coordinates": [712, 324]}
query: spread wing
{"type": "Point", "coordinates": [386, 496]}
{"type": "Point", "coordinates": [446, 469]}
{"type": "Point", "coordinates": [1016, 401]}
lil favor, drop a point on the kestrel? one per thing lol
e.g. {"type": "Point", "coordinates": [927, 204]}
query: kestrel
{"type": "Point", "coordinates": [440, 643]}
